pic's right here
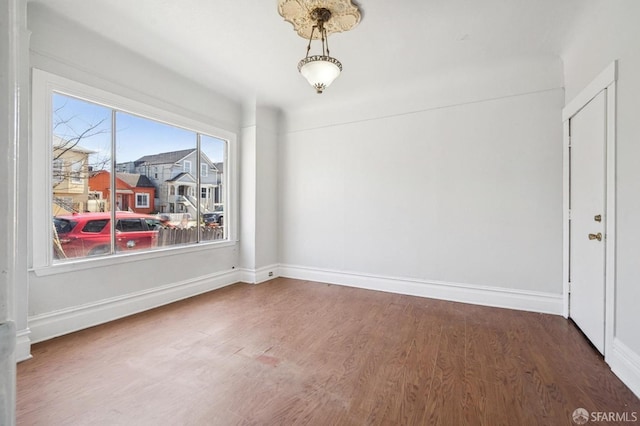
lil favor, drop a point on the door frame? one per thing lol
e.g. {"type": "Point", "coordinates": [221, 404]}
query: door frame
{"type": "Point", "coordinates": [606, 80]}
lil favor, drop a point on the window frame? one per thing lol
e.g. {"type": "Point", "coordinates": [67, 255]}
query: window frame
{"type": "Point", "coordinates": [146, 197]}
{"type": "Point", "coordinates": [44, 84]}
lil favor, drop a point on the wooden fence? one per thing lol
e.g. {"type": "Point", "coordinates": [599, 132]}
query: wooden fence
{"type": "Point", "coordinates": [172, 236]}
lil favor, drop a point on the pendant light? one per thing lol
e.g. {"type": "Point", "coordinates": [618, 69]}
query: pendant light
{"type": "Point", "coordinates": [320, 70]}
{"type": "Point", "coordinates": [315, 20]}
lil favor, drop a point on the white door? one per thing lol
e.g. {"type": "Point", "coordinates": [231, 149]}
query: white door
{"type": "Point", "coordinates": [587, 227]}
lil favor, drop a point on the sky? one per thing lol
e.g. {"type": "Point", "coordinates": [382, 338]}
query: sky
{"type": "Point", "coordinates": [135, 136]}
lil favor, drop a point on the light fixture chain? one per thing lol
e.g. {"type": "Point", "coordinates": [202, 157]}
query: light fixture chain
{"type": "Point", "coordinates": [325, 41]}
{"type": "Point", "coordinates": [310, 38]}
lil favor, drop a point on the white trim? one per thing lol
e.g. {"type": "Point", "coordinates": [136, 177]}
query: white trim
{"type": "Point", "coordinates": [523, 300]}
{"type": "Point", "coordinates": [601, 82]}
{"type": "Point", "coordinates": [566, 162]}
{"type": "Point", "coordinates": [625, 363]}
{"type": "Point", "coordinates": [52, 324]}
{"type": "Point", "coordinates": [40, 202]}
{"type": "Point", "coordinates": [605, 81]}
{"type": "Point", "coordinates": [23, 345]}
{"type": "Point", "coordinates": [610, 223]}
{"type": "Point", "coordinates": [260, 275]}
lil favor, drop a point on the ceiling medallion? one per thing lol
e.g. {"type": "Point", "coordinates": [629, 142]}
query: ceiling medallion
{"type": "Point", "coordinates": [344, 15]}
{"type": "Point", "coordinates": [315, 20]}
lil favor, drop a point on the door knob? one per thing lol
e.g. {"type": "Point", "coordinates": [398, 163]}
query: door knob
{"type": "Point", "coordinates": [597, 236]}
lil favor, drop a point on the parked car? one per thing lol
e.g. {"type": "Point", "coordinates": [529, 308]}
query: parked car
{"type": "Point", "coordinates": [214, 217]}
{"type": "Point", "coordinates": [89, 234]}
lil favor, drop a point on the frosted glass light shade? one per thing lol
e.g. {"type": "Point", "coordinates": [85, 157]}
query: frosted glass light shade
{"type": "Point", "coordinates": [320, 71]}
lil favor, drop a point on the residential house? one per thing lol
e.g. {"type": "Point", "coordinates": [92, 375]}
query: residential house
{"type": "Point", "coordinates": [70, 174]}
{"type": "Point", "coordinates": [174, 175]}
{"type": "Point", "coordinates": [134, 192]}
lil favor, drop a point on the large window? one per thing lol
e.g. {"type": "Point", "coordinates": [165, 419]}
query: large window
{"type": "Point", "coordinates": [106, 196]}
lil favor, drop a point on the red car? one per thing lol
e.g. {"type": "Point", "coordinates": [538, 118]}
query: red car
{"type": "Point", "coordinates": [89, 234]}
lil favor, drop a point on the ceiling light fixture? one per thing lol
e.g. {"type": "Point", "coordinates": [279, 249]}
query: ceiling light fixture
{"type": "Point", "coordinates": [315, 19]}
{"type": "Point", "coordinates": [320, 70]}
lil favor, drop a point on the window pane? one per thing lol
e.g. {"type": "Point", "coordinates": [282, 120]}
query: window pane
{"type": "Point", "coordinates": [81, 146]}
{"type": "Point", "coordinates": [212, 187]}
{"type": "Point", "coordinates": [154, 170]}
{"type": "Point", "coordinates": [62, 226]}
{"type": "Point", "coordinates": [95, 225]}
{"type": "Point", "coordinates": [130, 225]}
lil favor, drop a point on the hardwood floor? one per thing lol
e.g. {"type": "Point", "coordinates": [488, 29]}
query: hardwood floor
{"type": "Point", "coordinates": [293, 352]}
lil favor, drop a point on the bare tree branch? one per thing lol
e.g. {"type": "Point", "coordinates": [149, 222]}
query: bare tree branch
{"type": "Point", "coordinates": [71, 143]}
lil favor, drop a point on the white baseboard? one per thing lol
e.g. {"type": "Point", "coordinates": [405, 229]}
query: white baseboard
{"type": "Point", "coordinates": [466, 293]}
{"type": "Point", "coordinates": [57, 323]}
{"type": "Point", "coordinates": [625, 363]}
{"type": "Point", "coordinates": [260, 275]}
{"type": "Point", "coordinates": [23, 345]}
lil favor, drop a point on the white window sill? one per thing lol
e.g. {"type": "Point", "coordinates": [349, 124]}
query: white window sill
{"type": "Point", "coordinates": [118, 259]}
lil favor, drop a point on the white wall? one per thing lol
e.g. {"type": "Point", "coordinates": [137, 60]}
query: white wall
{"type": "Point", "coordinates": [432, 185]}
{"type": "Point", "coordinates": [609, 31]}
{"type": "Point", "coordinates": [63, 301]}
{"type": "Point", "coordinates": [267, 180]}
{"type": "Point", "coordinates": [248, 187]}
{"type": "Point", "coordinates": [62, 47]}
{"type": "Point", "coordinates": [259, 193]}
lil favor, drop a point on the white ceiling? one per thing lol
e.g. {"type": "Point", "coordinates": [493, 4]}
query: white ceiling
{"type": "Point", "coordinates": [245, 49]}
